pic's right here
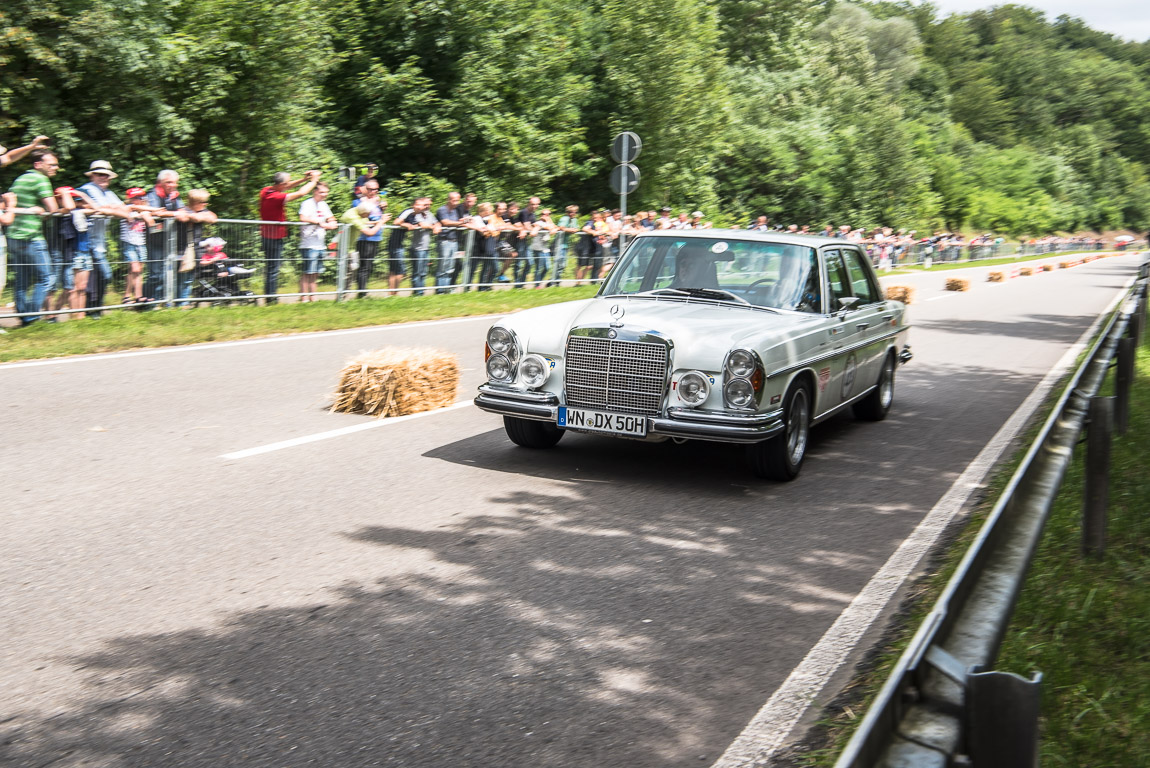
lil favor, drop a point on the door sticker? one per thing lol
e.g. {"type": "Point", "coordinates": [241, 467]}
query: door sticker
{"type": "Point", "coordinates": [849, 371]}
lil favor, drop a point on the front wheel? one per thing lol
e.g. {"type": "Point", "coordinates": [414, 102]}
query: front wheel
{"type": "Point", "coordinates": [876, 405]}
{"type": "Point", "coordinates": [530, 433]}
{"type": "Point", "coordinates": [781, 457]}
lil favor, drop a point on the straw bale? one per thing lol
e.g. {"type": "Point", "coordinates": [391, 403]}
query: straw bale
{"type": "Point", "coordinates": [957, 284]}
{"type": "Point", "coordinates": [396, 381]}
{"type": "Point", "coordinates": [903, 293]}
{"type": "Point", "coordinates": [995, 277]}
{"type": "Point", "coordinates": [1047, 267]}
{"type": "Point", "coordinates": [1065, 264]}
{"type": "Point", "coordinates": [1026, 271]}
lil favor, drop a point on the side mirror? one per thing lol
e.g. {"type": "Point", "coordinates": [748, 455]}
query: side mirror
{"type": "Point", "coordinates": [846, 303]}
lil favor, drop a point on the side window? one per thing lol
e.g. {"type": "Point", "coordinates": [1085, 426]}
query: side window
{"type": "Point", "coordinates": [861, 279]}
{"type": "Point", "coordinates": [838, 280]}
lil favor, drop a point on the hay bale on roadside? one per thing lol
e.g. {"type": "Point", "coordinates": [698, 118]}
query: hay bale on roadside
{"type": "Point", "coordinates": [995, 277]}
{"type": "Point", "coordinates": [1047, 267]}
{"type": "Point", "coordinates": [1065, 264]}
{"type": "Point", "coordinates": [1026, 271]}
{"type": "Point", "coordinates": [396, 381]}
{"type": "Point", "coordinates": [903, 293]}
{"type": "Point", "coordinates": [957, 284]}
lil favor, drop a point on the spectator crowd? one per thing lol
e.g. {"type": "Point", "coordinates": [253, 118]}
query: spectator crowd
{"type": "Point", "coordinates": [61, 261]}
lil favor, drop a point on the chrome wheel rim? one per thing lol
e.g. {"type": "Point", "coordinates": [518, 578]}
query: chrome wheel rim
{"type": "Point", "coordinates": [797, 420]}
{"type": "Point", "coordinates": [886, 386]}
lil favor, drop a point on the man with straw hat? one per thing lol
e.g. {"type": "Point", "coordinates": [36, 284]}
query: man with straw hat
{"type": "Point", "coordinates": [100, 175]}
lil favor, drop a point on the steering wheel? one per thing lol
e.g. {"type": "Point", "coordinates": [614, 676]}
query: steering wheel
{"type": "Point", "coordinates": [751, 287]}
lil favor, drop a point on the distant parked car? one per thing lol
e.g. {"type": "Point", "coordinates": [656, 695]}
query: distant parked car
{"type": "Point", "coordinates": [730, 336]}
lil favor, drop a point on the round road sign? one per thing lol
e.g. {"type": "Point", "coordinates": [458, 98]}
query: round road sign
{"type": "Point", "coordinates": [624, 179]}
{"type": "Point", "coordinates": [626, 147]}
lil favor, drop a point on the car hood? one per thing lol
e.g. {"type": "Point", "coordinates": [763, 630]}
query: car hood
{"type": "Point", "coordinates": [708, 330]}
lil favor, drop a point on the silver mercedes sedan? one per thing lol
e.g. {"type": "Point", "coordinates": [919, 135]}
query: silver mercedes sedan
{"type": "Point", "coordinates": [721, 335]}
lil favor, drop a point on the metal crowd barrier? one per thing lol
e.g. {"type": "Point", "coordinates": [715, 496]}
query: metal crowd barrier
{"type": "Point", "coordinates": [269, 268]}
{"type": "Point", "coordinates": [943, 705]}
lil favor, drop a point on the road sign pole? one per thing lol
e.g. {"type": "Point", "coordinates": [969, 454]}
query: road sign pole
{"type": "Point", "coordinates": [623, 198]}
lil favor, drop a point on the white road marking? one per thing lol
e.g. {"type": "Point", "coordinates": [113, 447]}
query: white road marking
{"type": "Point", "coordinates": [769, 729]}
{"type": "Point", "coordinates": [339, 432]}
{"type": "Point", "coordinates": [950, 295]}
{"type": "Point", "coordinates": [239, 342]}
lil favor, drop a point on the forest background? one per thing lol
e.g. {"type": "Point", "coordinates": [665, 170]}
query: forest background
{"type": "Point", "coordinates": [807, 110]}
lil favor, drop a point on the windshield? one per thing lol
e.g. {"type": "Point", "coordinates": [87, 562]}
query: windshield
{"type": "Point", "coordinates": [771, 275]}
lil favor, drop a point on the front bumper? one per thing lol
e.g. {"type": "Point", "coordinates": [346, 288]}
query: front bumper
{"type": "Point", "coordinates": [686, 423]}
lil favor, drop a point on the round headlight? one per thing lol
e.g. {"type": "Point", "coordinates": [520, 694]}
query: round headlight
{"type": "Point", "coordinates": [694, 388]}
{"type": "Point", "coordinates": [739, 393]}
{"type": "Point", "coordinates": [500, 340]}
{"type": "Point", "coordinates": [740, 363]}
{"type": "Point", "coordinates": [498, 368]}
{"type": "Point", "coordinates": [533, 371]}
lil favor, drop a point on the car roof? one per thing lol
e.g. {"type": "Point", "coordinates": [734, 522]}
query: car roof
{"type": "Point", "coordinates": [811, 241]}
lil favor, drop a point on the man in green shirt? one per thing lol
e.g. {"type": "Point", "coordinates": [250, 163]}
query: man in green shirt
{"type": "Point", "coordinates": [27, 251]}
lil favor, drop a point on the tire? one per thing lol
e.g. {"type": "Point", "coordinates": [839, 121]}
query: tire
{"type": "Point", "coordinates": [781, 457]}
{"type": "Point", "coordinates": [876, 405]}
{"type": "Point", "coordinates": [529, 433]}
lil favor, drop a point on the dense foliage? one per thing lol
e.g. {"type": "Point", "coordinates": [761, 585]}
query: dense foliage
{"type": "Point", "coordinates": [809, 110]}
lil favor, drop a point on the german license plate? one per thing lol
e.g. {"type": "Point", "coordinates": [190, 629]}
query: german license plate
{"type": "Point", "coordinates": [600, 421]}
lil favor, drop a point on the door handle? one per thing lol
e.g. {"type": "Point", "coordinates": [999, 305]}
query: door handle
{"type": "Point", "coordinates": [862, 326]}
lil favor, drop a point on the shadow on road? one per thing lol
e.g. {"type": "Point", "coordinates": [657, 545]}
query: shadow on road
{"type": "Point", "coordinates": [633, 605]}
{"type": "Point", "coordinates": [1054, 328]}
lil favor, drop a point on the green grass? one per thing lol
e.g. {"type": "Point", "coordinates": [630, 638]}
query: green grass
{"type": "Point", "coordinates": [122, 330]}
{"type": "Point", "coordinates": [913, 269]}
{"type": "Point", "coordinates": [1085, 624]}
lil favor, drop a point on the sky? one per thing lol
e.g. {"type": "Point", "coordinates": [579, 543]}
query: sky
{"type": "Point", "coordinates": [1129, 19]}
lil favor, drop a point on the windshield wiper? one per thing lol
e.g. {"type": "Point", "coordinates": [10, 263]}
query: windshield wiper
{"type": "Point", "coordinates": [710, 293]}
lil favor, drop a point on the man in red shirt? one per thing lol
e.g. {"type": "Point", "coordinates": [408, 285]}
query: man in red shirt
{"type": "Point", "coordinates": [273, 201]}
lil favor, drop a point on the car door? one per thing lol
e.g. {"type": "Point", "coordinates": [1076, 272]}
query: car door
{"type": "Point", "coordinates": [847, 332]}
{"type": "Point", "coordinates": [870, 316]}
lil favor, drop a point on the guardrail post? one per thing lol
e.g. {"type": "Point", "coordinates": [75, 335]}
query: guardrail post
{"type": "Point", "coordinates": [341, 256]}
{"type": "Point", "coordinates": [1123, 377]}
{"type": "Point", "coordinates": [1140, 318]}
{"type": "Point", "coordinates": [1002, 717]}
{"type": "Point", "coordinates": [1098, 432]}
{"type": "Point", "coordinates": [171, 262]}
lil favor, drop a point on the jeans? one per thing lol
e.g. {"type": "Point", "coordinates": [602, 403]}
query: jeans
{"type": "Point", "coordinates": [367, 249]}
{"type": "Point", "coordinates": [273, 257]}
{"type": "Point", "coordinates": [33, 268]}
{"type": "Point", "coordinates": [100, 277]}
{"type": "Point", "coordinates": [154, 287]}
{"type": "Point", "coordinates": [521, 268]}
{"type": "Point", "coordinates": [542, 265]}
{"type": "Point", "coordinates": [559, 250]}
{"type": "Point", "coordinates": [418, 269]}
{"type": "Point", "coordinates": [445, 264]}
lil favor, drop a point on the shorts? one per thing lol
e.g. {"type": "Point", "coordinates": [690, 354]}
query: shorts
{"type": "Point", "coordinates": [82, 261]}
{"type": "Point", "coordinates": [312, 260]}
{"type": "Point", "coordinates": [395, 262]}
{"type": "Point", "coordinates": [133, 252]}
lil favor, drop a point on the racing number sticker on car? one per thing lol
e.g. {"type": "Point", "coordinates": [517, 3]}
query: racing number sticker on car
{"type": "Point", "coordinates": [849, 371]}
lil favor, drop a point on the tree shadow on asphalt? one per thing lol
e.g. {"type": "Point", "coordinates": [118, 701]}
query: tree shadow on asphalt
{"type": "Point", "coordinates": [1054, 328]}
{"type": "Point", "coordinates": [634, 607]}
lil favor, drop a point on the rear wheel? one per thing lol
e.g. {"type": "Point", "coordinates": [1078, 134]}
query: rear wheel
{"type": "Point", "coordinates": [781, 457]}
{"type": "Point", "coordinates": [876, 405]}
{"type": "Point", "coordinates": [530, 433]}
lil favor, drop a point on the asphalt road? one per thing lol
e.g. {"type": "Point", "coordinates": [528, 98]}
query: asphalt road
{"type": "Point", "coordinates": [426, 594]}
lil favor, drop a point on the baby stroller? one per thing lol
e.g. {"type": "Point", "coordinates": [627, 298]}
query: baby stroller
{"type": "Point", "coordinates": [217, 276]}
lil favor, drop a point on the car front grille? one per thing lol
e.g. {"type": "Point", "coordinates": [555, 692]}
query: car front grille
{"type": "Point", "coordinates": [614, 375]}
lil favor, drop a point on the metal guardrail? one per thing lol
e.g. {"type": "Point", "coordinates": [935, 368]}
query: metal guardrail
{"type": "Point", "coordinates": [941, 705]}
